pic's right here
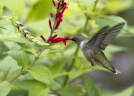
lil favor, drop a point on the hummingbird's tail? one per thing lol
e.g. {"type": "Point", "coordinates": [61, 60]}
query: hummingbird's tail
{"type": "Point", "coordinates": [109, 67]}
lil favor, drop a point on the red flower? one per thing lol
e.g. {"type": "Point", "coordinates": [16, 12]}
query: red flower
{"type": "Point", "coordinates": [55, 39]}
{"type": "Point", "coordinates": [61, 6]}
{"type": "Point", "coordinates": [60, 39]}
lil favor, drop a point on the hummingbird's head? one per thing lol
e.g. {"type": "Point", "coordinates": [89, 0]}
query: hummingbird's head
{"type": "Point", "coordinates": [77, 38]}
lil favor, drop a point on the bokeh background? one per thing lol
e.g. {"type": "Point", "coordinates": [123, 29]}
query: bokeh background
{"type": "Point", "coordinates": [34, 15]}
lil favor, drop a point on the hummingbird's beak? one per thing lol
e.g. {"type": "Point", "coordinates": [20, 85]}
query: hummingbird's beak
{"type": "Point", "coordinates": [70, 38]}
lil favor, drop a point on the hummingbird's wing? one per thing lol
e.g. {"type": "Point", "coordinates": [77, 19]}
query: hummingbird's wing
{"type": "Point", "coordinates": [98, 37]}
{"type": "Point", "coordinates": [105, 36]}
{"type": "Point", "coordinates": [111, 34]}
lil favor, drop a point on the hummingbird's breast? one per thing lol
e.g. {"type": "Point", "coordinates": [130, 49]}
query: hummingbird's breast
{"type": "Point", "coordinates": [81, 44]}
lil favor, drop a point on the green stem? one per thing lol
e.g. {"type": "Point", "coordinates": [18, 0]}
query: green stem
{"type": "Point", "coordinates": [71, 66]}
{"type": "Point", "coordinates": [16, 76]}
{"type": "Point", "coordinates": [95, 5]}
{"type": "Point", "coordinates": [36, 58]}
{"type": "Point", "coordinates": [86, 23]}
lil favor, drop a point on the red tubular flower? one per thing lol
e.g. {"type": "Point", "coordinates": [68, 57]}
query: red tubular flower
{"type": "Point", "coordinates": [53, 2]}
{"type": "Point", "coordinates": [59, 4]}
{"type": "Point", "coordinates": [50, 24]}
{"type": "Point", "coordinates": [51, 38]}
{"type": "Point", "coordinates": [42, 37]}
{"type": "Point", "coordinates": [56, 40]}
{"type": "Point", "coordinates": [58, 23]}
{"type": "Point", "coordinates": [51, 15]}
{"type": "Point", "coordinates": [60, 39]}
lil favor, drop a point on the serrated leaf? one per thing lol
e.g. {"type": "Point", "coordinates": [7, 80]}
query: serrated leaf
{"type": "Point", "coordinates": [39, 10]}
{"type": "Point", "coordinates": [90, 87]}
{"type": "Point", "coordinates": [30, 50]}
{"type": "Point", "coordinates": [44, 92]}
{"type": "Point", "coordinates": [20, 56]}
{"type": "Point", "coordinates": [88, 2]}
{"type": "Point", "coordinates": [111, 21]}
{"type": "Point", "coordinates": [38, 90]}
{"type": "Point", "coordinates": [41, 73]}
{"type": "Point", "coordinates": [4, 88]}
{"type": "Point", "coordinates": [16, 39]}
{"type": "Point", "coordinates": [70, 91]}
{"type": "Point", "coordinates": [18, 6]}
{"type": "Point", "coordinates": [8, 65]}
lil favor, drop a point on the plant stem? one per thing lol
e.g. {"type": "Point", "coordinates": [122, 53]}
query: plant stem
{"type": "Point", "coordinates": [36, 58]}
{"type": "Point", "coordinates": [16, 76]}
{"type": "Point", "coordinates": [86, 23]}
{"type": "Point", "coordinates": [71, 66]}
{"type": "Point", "coordinates": [95, 5]}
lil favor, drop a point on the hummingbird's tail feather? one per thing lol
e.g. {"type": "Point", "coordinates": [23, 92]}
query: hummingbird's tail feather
{"type": "Point", "coordinates": [109, 67]}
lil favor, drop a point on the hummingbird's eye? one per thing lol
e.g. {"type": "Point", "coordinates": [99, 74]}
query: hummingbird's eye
{"type": "Point", "coordinates": [73, 39]}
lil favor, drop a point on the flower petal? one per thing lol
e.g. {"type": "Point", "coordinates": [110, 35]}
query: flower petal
{"type": "Point", "coordinates": [42, 37]}
{"type": "Point", "coordinates": [56, 40]}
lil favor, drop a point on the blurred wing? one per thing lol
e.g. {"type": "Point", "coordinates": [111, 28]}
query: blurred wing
{"type": "Point", "coordinates": [111, 34]}
{"type": "Point", "coordinates": [97, 38]}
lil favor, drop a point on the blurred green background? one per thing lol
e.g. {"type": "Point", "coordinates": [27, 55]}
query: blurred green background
{"type": "Point", "coordinates": [34, 14]}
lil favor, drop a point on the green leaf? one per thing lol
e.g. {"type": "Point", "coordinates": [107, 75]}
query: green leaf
{"type": "Point", "coordinates": [90, 87]}
{"type": "Point", "coordinates": [4, 88]}
{"type": "Point", "coordinates": [111, 21]}
{"type": "Point", "coordinates": [2, 77]}
{"type": "Point", "coordinates": [1, 6]}
{"type": "Point", "coordinates": [126, 92]}
{"type": "Point", "coordinates": [16, 39]}
{"type": "Point", "coordinates": [8, 65]}
{"type": "Point", "coordinates": [18, 6]}
{"type": "Point", "coordinates": [30, 50]}
{"type": "Point", "coordinates": [39, 10]}
{"type": "Point", "coordinates": [11, 21]}
{"type": "Point", "coordinates": [41, 73]}
{"type": "Point", "coordinates": [70, 91]}
{"type": "Point", "coordinates": [3, 28]}
{"type": "Point", "coordinates": [88, 2]}
{"type": "Point", "coordinates": [20, 56]}
{"type": "Point", "coordinates": [38, 91]}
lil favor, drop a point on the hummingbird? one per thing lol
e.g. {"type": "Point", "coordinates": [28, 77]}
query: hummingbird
{"type": "Point", "coordinates": [93, 48]}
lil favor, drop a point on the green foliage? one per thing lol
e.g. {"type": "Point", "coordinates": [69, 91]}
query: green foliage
{"type": "Point", "coordinates": [18, 7]}
{"type": "Point", "coordinates": [8, 68]}
{"type": "Point", "coordinates": [30, 65]}
{"type": "Point", "coordinates": [90, 88]}
{"type": "Point", "coordinates": [42, 74]}
{"type": "Point", "coordinates": [20, 56]}
{"type": "Point", "coordinates": [87, 2]}
{"type": "Point", "coordinates": [38, 91]}
{"type": "Point", "coordinates": [5, 88]}
{"type": "Point", "coordinates": [39, 10]}
{"type": "Point", "coordinates": [1, 6]}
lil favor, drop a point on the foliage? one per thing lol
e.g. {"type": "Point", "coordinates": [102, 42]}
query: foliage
{"type": "Point", "coordinates": [33, 62]}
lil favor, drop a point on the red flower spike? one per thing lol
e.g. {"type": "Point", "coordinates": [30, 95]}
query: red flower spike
{"type": "Point", "coordinates": [42, 37]}
{"type": "Point", "coordinates": [56, 40]}
{"type": "Point", "coordinates": [21, 24]}
{"type": "Point", "coordinates": [59, 4]}
{"type": "Point", "coordinates": [58, 23]}
{"type": "Point", "coordinates": [51, 38]}
{"type": "Point", "coordinates": [54, 3]}
{"type": "Point", "coordinates": [50, 24]}
{"type": "Point", "coordinates": [64, 41]}
{"type": "Point", "coordinates": [51, 15]}
{"type": "Point", "coordinates": [64, 4]}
